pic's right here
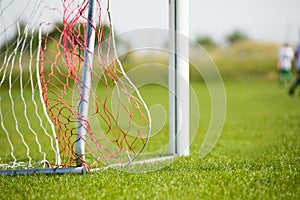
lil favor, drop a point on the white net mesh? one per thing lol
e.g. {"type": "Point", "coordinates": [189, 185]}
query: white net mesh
{"type": "Point", "coordinates": [41, 58]}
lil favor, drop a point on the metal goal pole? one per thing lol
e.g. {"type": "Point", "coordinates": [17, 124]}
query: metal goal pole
{"type": "Point", "coordinates": [179, 77]}
{"type": "Point", "coordinates": [86, 85]}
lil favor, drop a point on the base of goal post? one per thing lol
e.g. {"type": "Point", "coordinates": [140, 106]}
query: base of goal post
{"type": "Point", "coordinates": [78, 170]}
{"type": "Point", "coordinates": [47, 171]}
{"type": "Point", "coordinates": [140, 162]}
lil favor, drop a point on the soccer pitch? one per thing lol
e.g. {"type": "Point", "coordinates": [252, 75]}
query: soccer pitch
{"type": "Point", "coordinates": [256, 157]}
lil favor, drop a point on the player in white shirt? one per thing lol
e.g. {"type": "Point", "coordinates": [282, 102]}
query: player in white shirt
{"type": "Point", "coordinates": [285, 57]}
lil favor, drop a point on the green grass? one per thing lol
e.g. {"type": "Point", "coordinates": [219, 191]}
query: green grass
{"type": "Point", "coordinates": [256, 157]}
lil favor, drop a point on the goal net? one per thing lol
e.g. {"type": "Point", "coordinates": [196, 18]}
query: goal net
{"type": "Point", "coordinates": [65, 100]}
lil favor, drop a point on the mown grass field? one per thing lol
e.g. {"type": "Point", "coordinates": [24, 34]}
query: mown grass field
{"type": "Point", "coordinates": [256, 157]}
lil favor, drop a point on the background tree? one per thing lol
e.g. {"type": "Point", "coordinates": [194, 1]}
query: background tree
{"type": "Point", "coordinates": [206, 42]}
{"type": "Point", "coordinates": [55, 34]}
{"type": "Point", "coordinates": [19, 37]}
{"type": "Point", "coordinates": [236, 36]}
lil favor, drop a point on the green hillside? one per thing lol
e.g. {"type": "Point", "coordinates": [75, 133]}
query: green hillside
{"type": "Point", "coordinates": [247, 60]}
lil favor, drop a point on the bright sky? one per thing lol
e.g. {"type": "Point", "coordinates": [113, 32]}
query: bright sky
{"type": "Point", "coordinates": [263, 20]}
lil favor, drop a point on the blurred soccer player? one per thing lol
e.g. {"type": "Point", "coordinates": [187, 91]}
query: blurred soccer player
{"type": "Point", "coordinates": [285, 57]}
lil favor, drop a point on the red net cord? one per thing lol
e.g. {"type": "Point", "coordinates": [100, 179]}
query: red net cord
{"type": "Point", "coordinates": [118, 122]}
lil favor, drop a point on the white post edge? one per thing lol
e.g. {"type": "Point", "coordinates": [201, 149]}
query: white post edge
{"type": "Point", "coordinates": [172, 79]}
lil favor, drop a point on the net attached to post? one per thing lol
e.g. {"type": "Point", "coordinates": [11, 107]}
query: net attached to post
{"type": "Point", "coordinates": [39, 108]}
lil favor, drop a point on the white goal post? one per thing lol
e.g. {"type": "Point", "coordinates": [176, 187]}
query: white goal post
{"type": "Point", "coordinates": [179, 76]}
{"type": "Point", "coordinates": [178, 98]}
